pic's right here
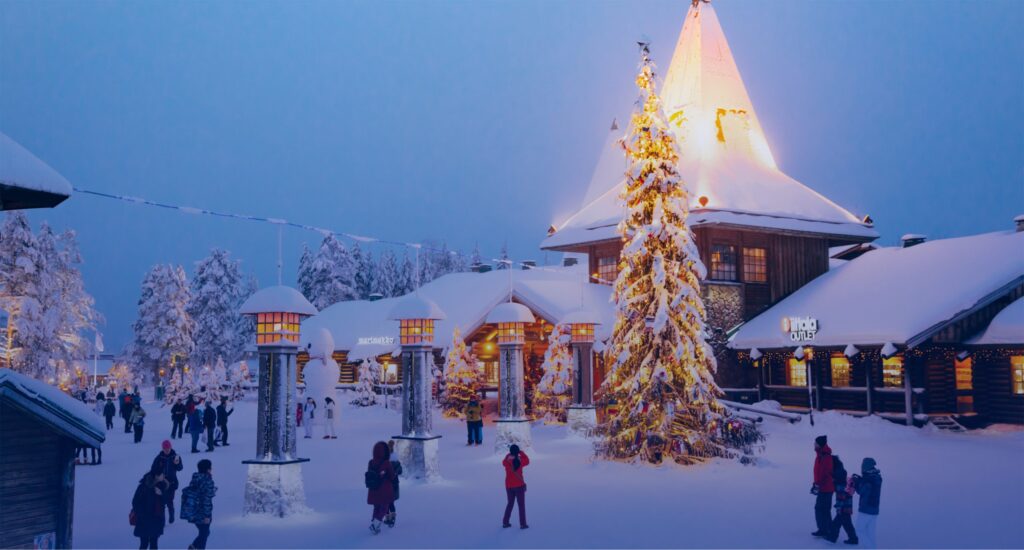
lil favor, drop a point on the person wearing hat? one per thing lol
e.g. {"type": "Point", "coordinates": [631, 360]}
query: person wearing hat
{"type": "Point", "coordinates": [169, 464]}
{"type": "Point", "coordinates": [823, 486]}
{"type": "Point", "coordinates": [869, 486]}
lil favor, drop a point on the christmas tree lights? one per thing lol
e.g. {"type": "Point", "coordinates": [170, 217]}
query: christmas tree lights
{"type": "Point", "coordinates": [554, 391]}
{"type": "Point", "coordinates": [461, 378]}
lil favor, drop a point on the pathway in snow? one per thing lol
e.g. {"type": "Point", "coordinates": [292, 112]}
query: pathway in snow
{"type": "Point", "coordinates": [940, 490]}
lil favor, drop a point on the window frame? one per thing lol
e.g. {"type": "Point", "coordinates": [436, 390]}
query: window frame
{"type": "Point", "coordinates": [798, 375]}
{"type": "Point", "coordinates": [959, 366]}
{"type": "Point", "coordinates": [715, 271]}
{"type": "Point", "coordinates": [762, 273]}
{"type": "Point", "coordinates": [607, 269]}
{"type": "Point", "coordinates": [1017, 374]}
{"type": "Point", "coordinates": [843, 362]}
{"type": "Point", "coordinates": [888, 377]}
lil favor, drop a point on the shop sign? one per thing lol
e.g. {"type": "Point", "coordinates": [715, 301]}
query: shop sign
{"type": "Point", "coordinates": [376, 340]}
{"type": "Point", "coordinates": [800, 329]}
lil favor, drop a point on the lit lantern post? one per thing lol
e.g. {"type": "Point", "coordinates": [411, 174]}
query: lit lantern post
{"type": "Point", "coordinates": [417, 447]}
{"type": "Point", "coordinates": [513, 426]}
{"type": "Point", "coordinates": [274, 485]}
{"type": "Point", "coordinates": [582, 415]}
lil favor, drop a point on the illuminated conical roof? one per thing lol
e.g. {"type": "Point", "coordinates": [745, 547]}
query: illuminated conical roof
{"type": "Point", "coordinates": [726, 160]}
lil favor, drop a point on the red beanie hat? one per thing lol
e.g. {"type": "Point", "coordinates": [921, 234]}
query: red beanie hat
{"type": "Point", "coordinates": [166, 445]}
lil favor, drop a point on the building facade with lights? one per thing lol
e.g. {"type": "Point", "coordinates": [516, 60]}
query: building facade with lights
{"type": "Point", "coordinates": [926, 330]}
{"type": "Point", "coordinates": [761, 234]}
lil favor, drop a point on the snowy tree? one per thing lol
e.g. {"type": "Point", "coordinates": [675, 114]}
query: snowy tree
{"type": "Point", "coordinates": [365, 271]}
{"type": "Point", "coordinates": [553, 393]}
{"type": "Point", "coordinates": [245, 325]}
{"type": "Point", "coordinates": [475, 259]}
{"type": "Point", "coordinates": [304, 274]}
{"type": "Point", "coordinates": [461, 378]}
{"type": "Point", "coordinates": [661, 369]}
{"type": "Point", "coordinates": [216, 293]}
{"type": "Point", "coordinates": [163, 330]}
{"type": "Point", "coordinates": [121, 377]}
{"type": "Point", "coordinates": [369, 377]}
{"type": "Point", "coordinates": [238, 380]}
{"type": "Point", "coordinates": [503, 260]}
{"type": "Point", "coordinates": [329, 276]}
{"type": "Point", "coordinates": [386, 283]}
{"type": "Point", "coordinates": [212, 380]}
{"type": "Point", "coordinates": [406, 277]}
{"type": "Point", "coordinates": [179, 387]}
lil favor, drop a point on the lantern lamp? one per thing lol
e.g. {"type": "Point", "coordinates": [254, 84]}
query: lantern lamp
{"type": "Point", "coordinates": [416, 315]}
{"type": "Point", "coordinates": [278, 311]}
{"type": "Point", "coordinates": [513, 425]}
{"type": "Point", "coordinates": [511, 319]}
{"type": "Point", "coordinates": [581, 415]}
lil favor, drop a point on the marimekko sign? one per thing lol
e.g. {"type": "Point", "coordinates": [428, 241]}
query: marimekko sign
{"type": "Point", "coordinates": [800, 329]}
{"type": "Point", "coordinates": [376, 340]}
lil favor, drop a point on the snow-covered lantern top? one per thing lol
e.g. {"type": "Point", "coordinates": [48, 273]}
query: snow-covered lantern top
{"type": "Point", "coordinates": [581, 325]}
{"type": "Point", "coordinates": [416, 315]}
{"type": "Point", "coordinates": [278, 311]}
{"type": "Point", "coordinates": [511, 319]}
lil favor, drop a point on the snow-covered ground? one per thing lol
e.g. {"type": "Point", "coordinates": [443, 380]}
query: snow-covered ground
{"type": "Point", "coordinates": [940, 490]}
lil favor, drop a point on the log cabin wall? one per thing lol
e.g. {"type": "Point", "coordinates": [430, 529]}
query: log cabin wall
{"type": "Point", "coordinates": [35, 462]}
{"type": "Point", "coordinates": [994, 395]}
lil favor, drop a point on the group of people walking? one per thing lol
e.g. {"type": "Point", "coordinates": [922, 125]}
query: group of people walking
{"type": "Point", "coordinates": [153, 501]}
{"type": "Point", "coordinates": [197, 417]}
{"type": "Point", "coordinates": [309, 414]}
{"type": "Point", "coordinates": [831, 478]}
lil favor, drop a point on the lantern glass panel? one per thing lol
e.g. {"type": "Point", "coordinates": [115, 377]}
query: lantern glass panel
{"type": "Point", "coordinates": [272, 327]}
{"type": "Point", "coordinates": [511, 333]}
{"type": "Point", "coordinates": [582, 332]}
{"type": "Point", "coordinates": [416, 331]}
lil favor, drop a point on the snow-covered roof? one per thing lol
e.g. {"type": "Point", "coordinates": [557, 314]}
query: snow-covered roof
{"type": "Point", "coordinates": [1007, 327]}
{"type": "Point", "coordinates": [725, 155]}
{"type": "Point", "coordinates": [585, 316]}
{"type": "Point", "coordinates": [415, 306]}
{"type": "Point", "coordinates": [277, 299]}
{"type": "Point", "coordinates": [363, 328]}
{"type": "Point", "coordinates": [21, 171]}
{"type": "Point", "coordinates": [510, 312]}
{"type": "Point", "coordinates": [898, 295]}
{"type": "Point", "coordinates": [52, 407]}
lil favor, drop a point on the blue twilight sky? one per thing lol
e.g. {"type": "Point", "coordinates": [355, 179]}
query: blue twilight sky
{"type": "Point", "coordinates": [479, 122]}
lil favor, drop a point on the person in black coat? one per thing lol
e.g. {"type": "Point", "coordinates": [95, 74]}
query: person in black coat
{"type": "Point", "coordinates": [169, 464]}
{"type": "Point", "coordinates": [108, 413]}
{"type": "Point", "coordinates": [148, 508]}
{"type": "Point", "coordinates": [210, 422]}
{"type": "Point", "coordinates": [222, 420]}
{"type": "Point", "coordinates": [177, 419]}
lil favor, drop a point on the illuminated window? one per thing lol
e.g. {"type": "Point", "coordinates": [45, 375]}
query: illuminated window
{"type": "Point", "coordinates": [1017, 369]}
{"type": "Point", "coordinates": [964, 374]}
{"type": "Point", "coordinates": [582, 332]}
{"type": "Point", "coordinates": [755, 265]}
{"type": "Point", "coordinates": [511, 333]}
{"type": "Point", "coordinates": [892, 372]}
{"type": "Point", "coordinates": [840, 371]}
{"type": "Point", "coordinates": [273, 327]}
{"type": "Point", "coordinates": [416, 331]}
{"type": "Point", "coordinates": [796, 372]}
{"type": "Point", "coordinates": [723, 262]}
{"type": "Point", "coordinates": [607, 269]}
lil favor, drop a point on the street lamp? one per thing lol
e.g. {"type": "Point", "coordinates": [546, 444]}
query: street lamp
{"type": "Point", "coordinates": [513, 426]}
{"type": "Point", "coordinates": [582, 415]}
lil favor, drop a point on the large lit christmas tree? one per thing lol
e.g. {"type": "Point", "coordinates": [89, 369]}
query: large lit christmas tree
{"type": "Point", "coordinates": [660, 392]}
{"type": "Point", "coordinates": [461, 378]}
{"type": "Point", "coordinates": [554, 391]}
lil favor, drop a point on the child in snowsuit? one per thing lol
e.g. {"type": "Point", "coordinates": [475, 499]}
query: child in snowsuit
{"type": "Point", "coordinates": [389, 519]}
{"type": "Point", "coordinates": [197, 502]}
{"type": "Point", "coordinates": [331, 413]}
{"type": "Point", "coordinates": [869, 486]}
{"type": "Point", "coordinates": [380, 491]}
{"type": "Point", "coordinates": [515, 485]}
{"type": "Point", "coordinates": [844, 505]}
{"type": "Point", "coordinates": [308, 413]}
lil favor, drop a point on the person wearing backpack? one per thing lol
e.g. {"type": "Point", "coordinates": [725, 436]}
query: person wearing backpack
{"type": "Point", "coordinates": [515, 485]}
{"type": "Point", "coordinates": [869, 486]}
{"type": "Point", "coordinates": [169, 463]}
{"type": "Point", "coordinates": [844, 504]}
{"type": "Point", "coordinates": [109, 410]}
{"type": "Point", "coordinates": [380, 492]}
{"type": "Point", "coordinates": [389, 519]}
{"type": "Point", "coordinates": [823, 486]}
{"type": "Point", "coordinates": [197, 503]}
{"type": "Point", "coordinates": [147, 513]}
{"type": "Point", "coordinates": [138, 421]}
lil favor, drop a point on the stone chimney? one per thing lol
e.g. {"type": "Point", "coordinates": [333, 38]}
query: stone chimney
{"type": "Point", "coordinates": [912, 239]}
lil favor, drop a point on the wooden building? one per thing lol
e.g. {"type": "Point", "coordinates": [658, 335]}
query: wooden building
{"type": "Point", "coordinates": [40, 427]}
{"type": "Point", "coordinates": [761, 234]}
{"type": "Point", "coordinates": [928, 331]}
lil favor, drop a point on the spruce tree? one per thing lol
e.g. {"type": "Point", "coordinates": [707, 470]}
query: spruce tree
{"type": "Point", "coordinates": [216, 293]}
{"type": "Point", "coordinates": [365, 271]}
{"type": "Point", "coordinates": [163, 330]}
{"type": "Point", "coordinates": [461, 378]}
{"type": "Point", "coordinates": [386, 283]}
{"type": "Point", "coordinates": [660, 367]}
{"type": "Point", "coordinates": [369, 377]}
{"type": "Point", "coordinates": [331, 275]}
{"type": "Point", "coordinates": [554, 391]}
{"type": "Point", "coordinates": [406, 276]}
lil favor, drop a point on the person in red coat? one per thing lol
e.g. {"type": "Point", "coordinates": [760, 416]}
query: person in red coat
{"type": "Point", "coordinates": [823, 486]}
{"type": "Point", "coordinates": [515, 485]}
{"type": "Point", "coordinates": [380, 489]}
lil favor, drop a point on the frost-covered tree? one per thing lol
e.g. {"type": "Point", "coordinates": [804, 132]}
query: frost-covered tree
{"type": "Point", "coordinates": [387, 281]}
{"type": "Point", "coordinates": [365, 271]}
{"type": "Point", "coordinates": [329, 276]}
{"type": "Point", "coordinates": [661, 369]}
{"type": "Point", "coordinates": [553, 393]}
{"type": "Point", "coordinates": [304, 274]}
{"type": "Point", "coordinates": [503, 259]}
{"type": "Point", "coordinates": [475, 259]}
{"type": "Point", "coordinates": [163, 330]}
{"type": "Point", "coordinates": [217, 291]}
{"type": "Point", "coordinates": [179, 387]}
{"type": "Point", "coordinates": [121, 376]}
{"type": "Point", "coordinates": [238, 380]}
{"type": "Point", "coordinates": [406, 277]}
{"type": "Point", "coordinates": [369, 377]}
{"type": "Point", "coordinates": [245, 325]}
{"type": "Point", "coordinates": [461, 378]}
{"type": "Point", "coordinates": [212, 381]}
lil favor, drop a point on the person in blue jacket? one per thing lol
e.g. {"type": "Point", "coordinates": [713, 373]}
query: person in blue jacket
{"type": "Point", "coordinates": [869, 486]}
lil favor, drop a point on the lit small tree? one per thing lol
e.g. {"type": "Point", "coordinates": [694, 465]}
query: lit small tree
{"type": "Point", "coordinates": [461, 378]}
{"type": "Point", "coordinates": [238, 380]}
{"type": "Point", "coordinates": [554, 391]}
{"type": "Point", "coordinates": [660, 382]}
{"type": "Point", "coordinates": [369, 376]}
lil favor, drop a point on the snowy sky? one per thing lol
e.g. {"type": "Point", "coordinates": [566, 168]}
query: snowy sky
{"type": "Point", "coordinates": [479, 121]}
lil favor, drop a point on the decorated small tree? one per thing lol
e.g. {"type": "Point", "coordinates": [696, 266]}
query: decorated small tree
{"type": "Point", "coordinates": [554, 391]}
{"type": "Point", "coordinates": [369, 376]}
{"type": "Point", "coordinates": [121, 377]}
{"type": "Point", "coordinates": [174, 388]}
{"type": "Point", "coordinates": [461, 378]}
{"type": "Point", "coordinates": [660, 387]}
{"type": "Point", "coordinates": [238, 380]}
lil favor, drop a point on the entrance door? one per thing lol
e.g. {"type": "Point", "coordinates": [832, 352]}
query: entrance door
{"type": "Point", "coordinates": [964, 370]}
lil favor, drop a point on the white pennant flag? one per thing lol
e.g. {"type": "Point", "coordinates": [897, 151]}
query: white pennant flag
{"type": "Point", "coordinates": [98, 343]}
